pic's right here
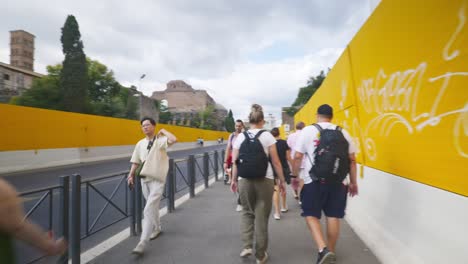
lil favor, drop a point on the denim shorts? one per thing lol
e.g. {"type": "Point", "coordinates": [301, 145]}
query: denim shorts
{"type": "Point", "coordinates": [329, 198]}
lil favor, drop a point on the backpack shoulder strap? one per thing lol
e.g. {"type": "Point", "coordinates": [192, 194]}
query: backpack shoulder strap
{"type": "Point", "coordinates": [339, 128]}
{"type": "Point", "coordinates": [319, 128]}
{"type": "Point", "coordinates": [259, 133]}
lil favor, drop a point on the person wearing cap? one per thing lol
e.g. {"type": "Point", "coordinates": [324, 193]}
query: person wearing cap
{"type": "Point", "coordinates": [318, 196]}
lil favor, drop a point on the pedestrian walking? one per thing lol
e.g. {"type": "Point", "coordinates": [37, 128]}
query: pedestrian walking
{"type": "Point", "coordinates": [329, 153]}
{"type": "Point", "coordinates": [151, 187]}
{"type": "Point", "coordinates": [253, 175]}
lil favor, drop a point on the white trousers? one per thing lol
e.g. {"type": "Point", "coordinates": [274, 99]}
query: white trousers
{"type": "Point", "coordinates": [152, 191]}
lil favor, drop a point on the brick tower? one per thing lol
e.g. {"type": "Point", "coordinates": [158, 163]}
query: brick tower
{"type": "Point", "coordinates": [22, 49]}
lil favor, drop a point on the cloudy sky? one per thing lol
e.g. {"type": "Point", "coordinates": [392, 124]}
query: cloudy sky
{"type": "Point", "coordinates": [241, 52]}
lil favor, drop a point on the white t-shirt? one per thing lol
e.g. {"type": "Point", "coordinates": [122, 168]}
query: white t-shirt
{"type": "Point", "coordinates": [308, 140]}
{"type": "Point", "coordinates": [265, 138]}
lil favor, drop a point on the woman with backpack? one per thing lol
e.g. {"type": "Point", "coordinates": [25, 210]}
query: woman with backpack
{"type": "Point", "coordinates": [285, 157]}
{"type": "Point", "coordinates": [252, 151]}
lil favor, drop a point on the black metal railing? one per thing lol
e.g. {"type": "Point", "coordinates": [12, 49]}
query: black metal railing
{"type": "Point", "coordinates": [80, 198]}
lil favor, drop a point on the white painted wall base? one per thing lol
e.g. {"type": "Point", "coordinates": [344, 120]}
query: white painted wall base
{"type": "Point", "coordinates": [403, 221]}
{"type": "Point", "coordinates": [14, 161]}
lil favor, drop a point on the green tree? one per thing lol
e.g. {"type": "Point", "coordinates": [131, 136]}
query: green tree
{"type": "Point", "coordinates": [229, 123]}
{"type": "Point", "coordinates": [44, 92]}
{"type": "Point", "coordinates": [305, 93]}
{"type": "Point", "coordinates": [164, 115]}
{"type": "Point", "coordinates": [74, 74]}
{"type": "Point", "coordinates": [107, 96]}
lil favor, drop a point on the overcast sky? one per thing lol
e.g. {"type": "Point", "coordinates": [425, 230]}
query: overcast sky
{"type": "Point", "coordinates": [241, 52]}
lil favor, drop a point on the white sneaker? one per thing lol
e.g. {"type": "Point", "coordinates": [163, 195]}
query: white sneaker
{"type": "Point", "coordinates": [246, 252]}
{"type": "Point", "coordinates": [277, 216]}
{"type": "Point", "coordinates": [284, 210]}
{"type": "Point", "coordinates": [155, 234]}
{"type": "Point", "coordinates": [239, 208]}
{"type": "Point", "coordinates": [264, 260]}
{"type": "Point", "coordinates": [140, 248]}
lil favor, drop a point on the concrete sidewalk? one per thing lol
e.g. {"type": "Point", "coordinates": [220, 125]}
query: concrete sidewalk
{"type": "Point", "coordinates": [206, 230]}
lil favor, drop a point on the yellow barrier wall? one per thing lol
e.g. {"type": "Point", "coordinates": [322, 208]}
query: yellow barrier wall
{"type": "Point", "coordinates": [25, 128]}
{"type": "Point", "coordinates": [401, 89]}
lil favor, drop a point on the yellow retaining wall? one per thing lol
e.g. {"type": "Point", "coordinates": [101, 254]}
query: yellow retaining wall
{"type": "Point", "coordinates": [401, 89]}
{"type": "Point", "coordinates": [26, 128]}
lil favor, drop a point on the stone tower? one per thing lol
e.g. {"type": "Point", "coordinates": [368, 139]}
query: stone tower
{"type": "Point", "coordinates": [22, 49]}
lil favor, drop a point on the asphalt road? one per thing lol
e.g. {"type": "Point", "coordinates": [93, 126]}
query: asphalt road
{"type": "Point", "coordinates": [93, 202]}
{"type": "Point", "coordinates": [41, 178]}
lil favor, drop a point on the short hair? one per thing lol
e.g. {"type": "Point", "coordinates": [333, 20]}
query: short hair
{"type": "Point", "coordinates": [325, 111]}
{"type": "Point", "coordinates": [275, 132]}
{"type": "Point", "coordinates": [149, 119]}
{"type": "Point", "coordinates": [256, 114]}
{"type": "Point", "coordinates": [240, 121]}
{"type": "Point", "coordinates": [300, 125]}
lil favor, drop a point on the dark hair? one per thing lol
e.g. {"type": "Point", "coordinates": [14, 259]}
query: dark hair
{"type": "Point", "coordinates": [325, 111]}
{"type": "Point", "coordinates": [275, 132]}
{"type": "Point", "coordinates": [256, 114]}
{"type": "Point", "coordinates": [149, 119]}
{"type": "Point", "coordinates": [300, 125]}
{"type": "Point", "coordinates": [239, 121]}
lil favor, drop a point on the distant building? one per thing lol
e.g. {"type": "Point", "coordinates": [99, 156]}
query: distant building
{"type": "Point", "coordinates": [270, 122]}
{"type": "Point", "coordinates": [22, 49]}
{"type": "Point", "coordinates": [18, 76]}
{"type": "Point", "coordinates": [185, 102]}
{"type": "Point", "coordinates": [288, 121]}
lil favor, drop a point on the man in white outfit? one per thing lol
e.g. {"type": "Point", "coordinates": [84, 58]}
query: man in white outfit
{"type": "Point", "coordinates": [151, 188]}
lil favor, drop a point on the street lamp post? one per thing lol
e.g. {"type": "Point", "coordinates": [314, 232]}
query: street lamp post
{"type": "Point", "coordinates": [140, 101]}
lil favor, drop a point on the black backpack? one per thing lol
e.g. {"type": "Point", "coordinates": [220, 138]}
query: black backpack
{"type": "Point", "coordinates": [331, 163]}
{"type": "Point", "coordinates": [252, 161]}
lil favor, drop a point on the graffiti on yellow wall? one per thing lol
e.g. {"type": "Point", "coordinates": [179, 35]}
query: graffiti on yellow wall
{"type": "Point", "coordinates": [400, 88]}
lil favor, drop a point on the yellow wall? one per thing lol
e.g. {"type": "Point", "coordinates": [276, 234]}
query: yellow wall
{"type": "Point", "coordinates": [401, 89]}
{"type": "Point", "coordinates": [24, 128]}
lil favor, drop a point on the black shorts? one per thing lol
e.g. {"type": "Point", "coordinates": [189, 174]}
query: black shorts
{"type": "Point", "coordinates": [329, 198]}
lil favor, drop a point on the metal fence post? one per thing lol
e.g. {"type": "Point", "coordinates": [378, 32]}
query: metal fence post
{"type": "Point", "coordinates": [206, 168]}
{"type": "Point", "coordinates": [216, 164]}
{"type": "Point", "coordinates": [133, 210]}
{"type": "Point", "coordinates": [138, 204]}
{"type": "Point", "coordinates": [171, 187]}
{"type": "Point", "coordinates": [222, 157]}
{"type": "Point", "coordinates": [191, 174]}
{"type": "Point", "coordinates": [64, 213]}
{"type": "Point", "coordinates": [75, 219]}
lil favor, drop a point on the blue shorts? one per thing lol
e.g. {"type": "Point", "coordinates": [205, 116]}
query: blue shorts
{"type": "Point", "coordinates": [331, 198]}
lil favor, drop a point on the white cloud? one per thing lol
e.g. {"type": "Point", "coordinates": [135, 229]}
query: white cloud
{"type": "Point", "coordinates": [207, 43]}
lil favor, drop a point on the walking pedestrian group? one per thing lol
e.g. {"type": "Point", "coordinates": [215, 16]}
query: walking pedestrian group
{"type": "Point", "coordinates": [315, 160]}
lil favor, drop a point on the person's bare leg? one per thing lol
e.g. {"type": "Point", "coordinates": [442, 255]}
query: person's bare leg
{"type": "Point", "coordinates": [276, 202]}
{"type": "Point", "coordinates": [316, 231]}
{"type": "Point", "coordinates": [333, 231]}
{"type": "Point", "coordinates": [283, 200]}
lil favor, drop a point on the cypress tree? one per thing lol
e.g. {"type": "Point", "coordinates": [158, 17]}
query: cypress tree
{"type": "Point", "coordinates": [74, 75]}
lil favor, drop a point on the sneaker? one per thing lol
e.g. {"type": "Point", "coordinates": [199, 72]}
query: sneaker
{"type": "Point", "coordinates": [140, 248]}
{"type": "Point", "coordinates": [239, 208]}
{"type": "Point", "coordinates": [246, 252]}
{"type": "Point", "coordinates": [155, 234]}
{"type": "Point", "coordinates": [264, 260]}
{"type": "Point", "coordinates": [326, 257]}
{"type": "Point", "coordinates": [284, 210]}
{"type": "Point", "coordinates": [277, 216]}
